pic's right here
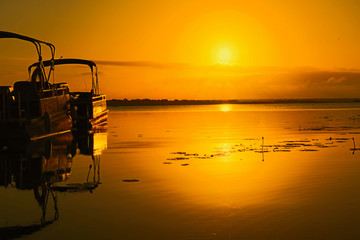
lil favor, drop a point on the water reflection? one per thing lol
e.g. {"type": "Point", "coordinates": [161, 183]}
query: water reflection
{"type": "Point", "coordinates": [40, 166]}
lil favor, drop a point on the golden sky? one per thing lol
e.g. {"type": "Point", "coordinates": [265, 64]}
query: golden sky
{"type": "Point", "coordinates": [194, 49]}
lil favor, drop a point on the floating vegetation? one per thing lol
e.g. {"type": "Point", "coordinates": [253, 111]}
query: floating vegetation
{"type": "Point", "coordinates": [185, 153]}
{"type": "Point", "coordinates": [337, 139]}
{"type": "Point", "coordinates": [312, 129]}
{"type": "Point", "coordinates": [185, 164]}
{"type": "Point", "coordinates": [189, 154]}
{"type": "Point", "coordinates": [167, 162]}
{"type": "Point", "coordinates": [180, 153]}
{"type": "Point", "coordinates": [178, 159]}
{"type": "Point", "coordinates": [203, 157]}
{"type": "Point", "coordinates": [131, 180]}
{"type": "Point", "coordinates": [281, 150]}
{"type": "Point", "coordinates": [261, 151]}
{"type": "Point", "coordinates": [330, 129]}
{"type": "Point", "coordinates": [341, 139]}
{"type": "Point", "coordinates": [302, 145]}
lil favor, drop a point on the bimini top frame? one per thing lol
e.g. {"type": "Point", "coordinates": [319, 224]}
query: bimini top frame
{"type": "Point", "coordinates": [91, 64]}
{"type": "Point", "coordinates": [37, 44]}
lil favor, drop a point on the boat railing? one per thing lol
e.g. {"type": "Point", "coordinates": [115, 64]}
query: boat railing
{"type": "Point", "coordinates": [99, 97]}
{"type": "Point", "coordinates": [38, 44]}
{"type": "Point", "coordinates": [88, 95]}
{"type": "Point", "coordinates": [48, 93]}
{"type": "Point", "coordinates": [62, 61]}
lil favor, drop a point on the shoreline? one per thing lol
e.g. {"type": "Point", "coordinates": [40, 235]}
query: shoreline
{"type": "Point", "coordinates": [166, 102]}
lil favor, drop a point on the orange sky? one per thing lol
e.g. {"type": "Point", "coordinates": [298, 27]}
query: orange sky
{"type": "Point", "coordinates": [194, 49]}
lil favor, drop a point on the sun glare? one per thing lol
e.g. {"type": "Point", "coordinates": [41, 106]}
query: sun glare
{"type": "Point", "coordinates": [225, 108]}
{"type": "Point", "coordinates": [224, 56]}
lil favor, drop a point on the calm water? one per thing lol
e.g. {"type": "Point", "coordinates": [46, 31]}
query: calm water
{"type": "Point", "coordinates": [192, 172]}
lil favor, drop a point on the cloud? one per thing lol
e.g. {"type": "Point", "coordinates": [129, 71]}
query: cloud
{"type": "Point", "coordinates": [177, 80]}
{"type": "Point", "coordinates": [311, 83]}
{"type": "Point", "coordinates": [215, 67]}
{"type": "Point", "coordinates": [147, 64]}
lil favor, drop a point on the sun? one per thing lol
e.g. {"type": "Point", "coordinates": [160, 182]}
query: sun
{"type": "Point", "coordinates": [224, 56]}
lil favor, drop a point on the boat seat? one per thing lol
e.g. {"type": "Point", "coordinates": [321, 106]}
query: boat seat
{"type": "Point", "coordinates": [25, 88]}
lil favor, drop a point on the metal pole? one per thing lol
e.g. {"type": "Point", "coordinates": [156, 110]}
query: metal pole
{"type": "Point", "coordinates": [4, 110]}
{"type": "Point", "coordinates": [19, 110]}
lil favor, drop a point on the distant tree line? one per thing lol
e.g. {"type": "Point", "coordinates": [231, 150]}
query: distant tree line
{"type": "Point", "coordinates": [162, 102]}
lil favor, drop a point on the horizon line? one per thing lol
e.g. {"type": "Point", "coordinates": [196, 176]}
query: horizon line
{"type": "Point", "coordinates": [154, 102]}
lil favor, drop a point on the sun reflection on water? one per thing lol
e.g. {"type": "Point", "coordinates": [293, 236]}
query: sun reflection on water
{"type": "Point", "coordinates": [225, 107]}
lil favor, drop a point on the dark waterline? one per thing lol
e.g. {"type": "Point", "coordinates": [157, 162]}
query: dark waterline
{"type": "Point", "coordinates": [166, 102]}
{"type": "Point", "coordinates": [242, 107]}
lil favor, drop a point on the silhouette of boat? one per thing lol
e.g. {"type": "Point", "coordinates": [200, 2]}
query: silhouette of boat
{"type": "Point", "coordinates": [89, 110]}
{"type": "Point", "coordinates": [35, 108]}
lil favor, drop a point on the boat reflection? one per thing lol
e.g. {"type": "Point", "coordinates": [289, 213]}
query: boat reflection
{"type": "Point", "coordinates": [92, 145]}
{"type": "Point", "coordinates": [39, 166]}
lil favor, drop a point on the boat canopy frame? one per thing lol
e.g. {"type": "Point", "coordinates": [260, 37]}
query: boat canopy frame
{"type": "Point", "coordinates": [37, 43]}
{"type": "Point", "coordinates": [63, 61]}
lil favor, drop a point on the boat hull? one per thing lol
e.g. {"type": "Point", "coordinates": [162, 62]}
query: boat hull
{"type": "Point", "coordinates": [30, 116]}
{"type": "Point", "coordinates": [91, 111]}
